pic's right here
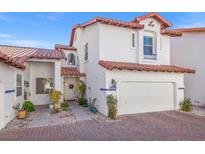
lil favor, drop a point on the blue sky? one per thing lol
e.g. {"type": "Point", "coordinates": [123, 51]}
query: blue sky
{"type": "Point", "coordinates": [46, 29]}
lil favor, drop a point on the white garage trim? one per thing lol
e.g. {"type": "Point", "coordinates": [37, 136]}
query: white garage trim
{"type": "Point", "coordinates": [174, 92]}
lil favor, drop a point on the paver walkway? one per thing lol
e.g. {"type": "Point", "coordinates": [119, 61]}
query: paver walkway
{"type": "Point", "coordinates": [199, 110]}
{"type": "Point", "coordinates": [43, 117]}
{"type": "Point", "coordinates": [79, 113]}
{"type": "Point", "coordinates": [147, 126]}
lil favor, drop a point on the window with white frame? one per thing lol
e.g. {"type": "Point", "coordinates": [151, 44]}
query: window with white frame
{"type": "Point", "coordinates": [86, 51]}
{"type": "Point", "coordinates": [44, 85]}
{"type": "Point", "coordinates": [133, 40]}
{"type": "Point", "coordinates": [19, 85]}
{"type": "Point", "coordinates": [71, 59]}
{"type": "Point", "coordinates": [148, 46]}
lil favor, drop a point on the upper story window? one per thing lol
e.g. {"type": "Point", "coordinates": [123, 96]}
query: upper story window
{"type": "Point", "coordinates": [148, 45]}
{"type": "Point", "coordinates": [71, 59]}
{"type": "Point", "coordinates": [86, 51]}
{"type": "Point", "coordinates": [19, 85]}
{"type": "Point", "coordinates": [133, 40]}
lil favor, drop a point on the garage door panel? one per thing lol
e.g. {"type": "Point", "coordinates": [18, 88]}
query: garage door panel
{"type": "Point", "coordinates": [137, 97]}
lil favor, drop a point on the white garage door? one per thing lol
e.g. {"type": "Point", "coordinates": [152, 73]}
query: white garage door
{"type": "Point", "coordinates": [138, 97]}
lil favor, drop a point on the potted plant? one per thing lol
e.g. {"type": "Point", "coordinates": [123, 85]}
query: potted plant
{"type": "Point", "coordinates": [92, 106]}
{"type": "Point", "coordinates": [29, 106]}
{"type": "Point", "coordinates": [21, 111]}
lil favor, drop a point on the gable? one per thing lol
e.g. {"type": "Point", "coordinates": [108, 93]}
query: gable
{"type": "Point", "coordinates": [163, 22]}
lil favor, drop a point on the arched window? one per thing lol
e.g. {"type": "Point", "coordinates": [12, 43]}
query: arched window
{"type": "Point", "coordinates": [71, 59]}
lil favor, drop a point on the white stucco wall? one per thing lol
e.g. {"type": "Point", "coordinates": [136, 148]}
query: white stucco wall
{"type": "Point", "coordinates": [8, 100]}
{"type": "Point", "coordinates": [79, 43]}
{"type": "Point", "coordinates": [95, 74]}
{"type": "Point", "coordinates": [115, 44]}
{"type": "Point", "coordinates": [176, 78]}
{"type": "Point", "coordinates": [164, 54]}
{"type": "Point", "coordinates": [188, 51]}
{"type": "Point", "coordinates": [40, 70]}
{"type": "Point", "coordinates": [1, 105]}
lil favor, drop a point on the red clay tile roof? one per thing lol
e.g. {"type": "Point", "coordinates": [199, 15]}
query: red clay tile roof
{"type": "Point", "coordinates": [171, 33]}
{"type": "Point", "coordinates": [60, 46]}
{"type": "Point", "coordinates": [156, 16]}
{"type": "Point", "coordinates": [13, 62]}
{"type": "Point", "coordinates": [199, 29]}
{"type": "Point", "coordinates": [110, 65]}
{"type": "Point", "coordinates": [132, 24]}
{"type": "Point", "coordinates": [71, 71]}
{"type": "Point", "coordinates": [17, 56]}
{"type": "Point", "coordinates": [108, 21]}
{"type": "Point", "coordinates": [113, 22]}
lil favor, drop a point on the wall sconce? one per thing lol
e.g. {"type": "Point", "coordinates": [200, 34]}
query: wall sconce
{"type": "Point", "coordinates": [26, 84]}
{"type": "Point", "coordinates": [113, 83]}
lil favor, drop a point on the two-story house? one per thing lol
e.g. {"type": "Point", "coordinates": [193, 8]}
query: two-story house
{"type": "Point", "coordinates": [130, 60]}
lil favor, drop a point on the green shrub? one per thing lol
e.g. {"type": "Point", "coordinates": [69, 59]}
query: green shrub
{"type": "Point", "coordinates": [112, 106]}
{"type": "Point", "coordinates": [65, 106]}
{"type": "Point", "coordinates": [186, 105]}
{"type": "Point", "coordinates": [83, 102]}
{"type": "Point", "coordinates": [82, 88]}
{"type": "Point", "coordinates": [28, 106]}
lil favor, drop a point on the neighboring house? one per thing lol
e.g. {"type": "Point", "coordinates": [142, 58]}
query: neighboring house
{"type": "Point", "coordinates": [189, 51]}
{"type": "Point", "coordinates": [130, 60]}
{"type": "Point", "coordinates": [31, 73]}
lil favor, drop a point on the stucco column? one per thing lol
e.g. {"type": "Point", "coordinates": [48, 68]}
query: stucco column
{"type": "Point", "coordinates": [57, 76]}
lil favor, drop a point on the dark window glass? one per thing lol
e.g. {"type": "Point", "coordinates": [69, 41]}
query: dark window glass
{"type": "Point", "coordinates": [148, 45]}
{"type": "Point", "coordinates": [86, 52]}
{"type": "Point", "coordinates": [19, 88]}
{"type": "Point", "coordinates": [133, 40]}
{"type": "Point", "coordinates": [44, 85]}
{"type": "Point", "coordinates": [71, 59]}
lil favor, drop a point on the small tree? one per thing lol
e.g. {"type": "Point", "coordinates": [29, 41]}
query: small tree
{"type": "Point", "coordinates": [112, 106]}
{"type": "Point", "coordinates": [55, 98]}
{"type": "Point", "coordinates": [82, 88]}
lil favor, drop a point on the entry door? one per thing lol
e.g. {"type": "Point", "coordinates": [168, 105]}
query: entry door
{"type": "Point", "coordinates": [138, 97]}
{"type": "Point", "coordinates": [69, 88]}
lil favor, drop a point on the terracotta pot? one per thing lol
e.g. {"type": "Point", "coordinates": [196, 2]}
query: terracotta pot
{"type": "Point", "coordinates": [22, 114]}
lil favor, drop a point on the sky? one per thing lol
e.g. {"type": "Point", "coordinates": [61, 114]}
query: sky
{"type": "Point", "coordinates": [44, 30]}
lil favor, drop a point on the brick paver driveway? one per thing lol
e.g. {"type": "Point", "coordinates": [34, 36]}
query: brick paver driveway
{"type": "Point", "coordinates": [147, 126]}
